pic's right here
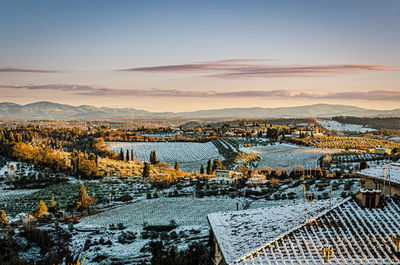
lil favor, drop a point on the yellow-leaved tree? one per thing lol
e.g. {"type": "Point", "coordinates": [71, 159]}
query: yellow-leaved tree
{"type": "Point", "coordinates": [53, 202]}
{"type": "Point", "coordinates": [3, 218]}
{"type": "Point", "coordinates": [85, 201]}
{"type": "Point", "coordinates": [41, 209]}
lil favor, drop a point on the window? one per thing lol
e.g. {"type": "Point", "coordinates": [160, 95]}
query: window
{"type": "Point", "coordinates": [370, 200]}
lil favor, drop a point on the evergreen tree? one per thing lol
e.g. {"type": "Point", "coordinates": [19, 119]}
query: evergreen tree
{"type": "Point", "coordinates": [11, 137]}
{"type": "Point", "coordinates": [132, 154]}
{"type": "Point", "coordinates": [202, 169]}
{"type": "Point", "coordinates": [128, 158]}
{"type": "Point", "coordinates": [53, 205]}
{"type": "Point", "coordinates": [146, 170]}
{"type": "Point", "coordinates": [41, 209]}
{"type": "Point", "coordinates": [85, 201]}
{"type": "Point", "coordinates": [209, 167]}
{"type": "Point", "coordinates": [273, 133]}
{"type": "Point", "coordinates": [53, 202]}
{"type": "Point", "coordinates": [152, 157]}
{"type": "Point", "coordinates": [3, 218]}
{"type": "Point", "coordinates": [121, 154]}
{"type": "Point", "coordinates": [83, 196]}
{"type": "Point", "coordinates": [217, 164]}
{"type": "Point", "coordinates": [177, 166]}
{"type": "Point", "coordinates": [155, 158]}
{"type": "Point", "coordinates": [363, 165]}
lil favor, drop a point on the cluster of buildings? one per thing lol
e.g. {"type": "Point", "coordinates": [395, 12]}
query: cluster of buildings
{"type": "Point", "coordinates": [229, 177]}
{"type": "Point", "coordinates": [361, 229]}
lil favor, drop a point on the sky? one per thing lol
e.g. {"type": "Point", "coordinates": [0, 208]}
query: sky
{"type": "Point", "coordinates": [191, 55]}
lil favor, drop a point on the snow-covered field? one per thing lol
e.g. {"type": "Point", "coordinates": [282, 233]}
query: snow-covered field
{"type": "Point", "coordinates": [189, 214]}
{"type": "Point", "coordinates": [189, 155]}
{"type": "Point", "coordinates": [288, 155]}
{"type": "Point", "coordinates": [8, 195]}
{"type": "Point", "coordinates": [185, 211]}
{"type": "Point", "coordinates": [337, 126]}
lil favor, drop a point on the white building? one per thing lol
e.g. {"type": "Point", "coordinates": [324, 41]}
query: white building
{"type": "Point", "coordinates": [224, 173]}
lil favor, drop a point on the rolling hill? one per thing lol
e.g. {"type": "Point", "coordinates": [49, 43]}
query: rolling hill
{"type": "Point", "coordinates": [49, 110]}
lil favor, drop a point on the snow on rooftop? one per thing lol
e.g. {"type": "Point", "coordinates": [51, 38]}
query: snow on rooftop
{"type": "Point", "coordinates": [379, 172]}
{"type": "Point", "coordinates": [394, 139]}
{"type": "Point", "coordinates": [239, 233]}
{"type": "Point", "coordinates": [356, 236]}
{"type": "Point", "coordinates": [220, 179]}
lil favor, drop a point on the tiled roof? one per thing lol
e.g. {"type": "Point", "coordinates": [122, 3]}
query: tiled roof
{"type": "Point", "coordinates": [238, 233]}
{"type": "Point", "coordinates": [356, 235]}
{"type": "Point", "coordinates": [377, 172]}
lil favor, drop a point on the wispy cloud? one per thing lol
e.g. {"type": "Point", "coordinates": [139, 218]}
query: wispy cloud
{"type": "Point", "coordinates": [87, 90]}
{"type": "Point", "coordinates": [240, 61]}
{"type": "Point", "coordinates": [24, 70]}
{"type": "Point", "coordinates": [240, 68]}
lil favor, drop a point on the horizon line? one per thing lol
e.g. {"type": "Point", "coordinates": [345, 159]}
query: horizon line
{"type": "Point", "coordinates": [215, 109]}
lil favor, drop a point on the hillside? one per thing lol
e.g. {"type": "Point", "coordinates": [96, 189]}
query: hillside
{"type": "Point", "coordinates": [49, 110]}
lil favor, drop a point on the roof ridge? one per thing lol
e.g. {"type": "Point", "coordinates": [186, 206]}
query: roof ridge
{"type": "Point", "coordinates": [294, 229]}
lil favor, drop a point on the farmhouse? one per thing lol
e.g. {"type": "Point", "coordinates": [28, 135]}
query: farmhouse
{"type": "Point", "coordinates": [224, 173]}
{"type": "Point", "coordinates": [345, 233]}
{"type": "Point", "coordinates": [305, 133]}
{"type": "Point", "coordinates": [257, 180]}
{"type": "Point", "coordinates": [384, 178]}
{"type": "Point", "coordinates": [221, 181]}
{"type": "Point", "coordinates": [237, 175]}
{"type": "Point", "coordinates": [382, 151]}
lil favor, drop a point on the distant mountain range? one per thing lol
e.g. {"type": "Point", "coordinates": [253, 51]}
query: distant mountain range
{"type": "Point", "coordinates": [49, 110]}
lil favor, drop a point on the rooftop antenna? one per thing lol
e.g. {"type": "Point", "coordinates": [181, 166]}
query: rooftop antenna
{"type": "Point", "coordinates": [384, 182]}
{"type": "Point", "coordinates": [390, 185]}
{"type": "Point", "coordinates": [305, 201]}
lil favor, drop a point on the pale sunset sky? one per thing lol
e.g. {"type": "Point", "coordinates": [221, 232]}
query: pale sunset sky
{"type": "Point", "coordinates": [192, 55]}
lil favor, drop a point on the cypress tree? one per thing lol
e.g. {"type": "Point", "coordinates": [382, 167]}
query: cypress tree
{"type": "Point", "coordinates": [209, 167]}
{"type": "Point", "coordinates": [146, 170]}
{"type": "Point", "coordinates": [152, 157]}
{"type": "Point", "coordinates": [121, 154]}
{"type": "Point", "coordinates": [202, 169]}
{"type": "Point", "coordinates": [177, 166]}
{"type": "Point", "coordinates": [127, 155]}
